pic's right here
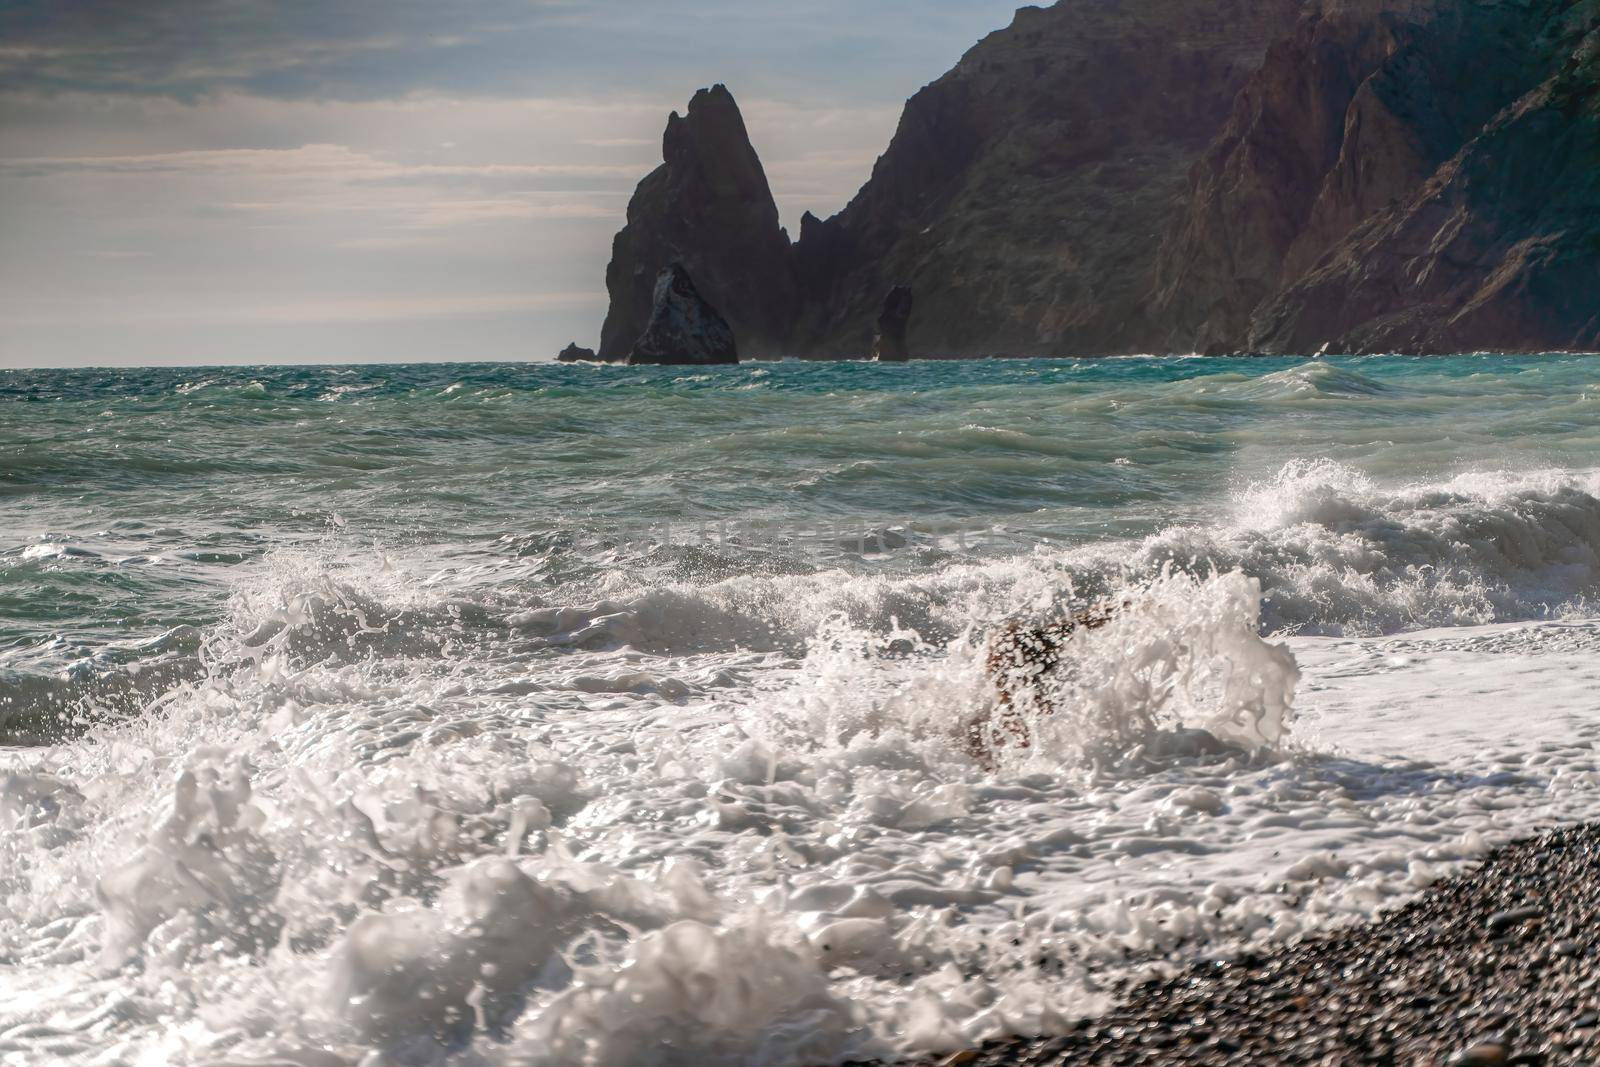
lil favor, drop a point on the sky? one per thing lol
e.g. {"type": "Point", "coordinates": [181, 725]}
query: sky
{"type": "Point", "coordinates": [241, 181]}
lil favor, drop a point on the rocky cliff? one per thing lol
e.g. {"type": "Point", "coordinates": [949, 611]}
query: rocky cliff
{"type": "Point", "coordinates": [1418, 177]}
{"type": "Point", "coordinates": [1109, 176]}
{"type": "Point", "coordinates": [1024, 194]}
{"type": "Point", "coordinates": [709, 208]}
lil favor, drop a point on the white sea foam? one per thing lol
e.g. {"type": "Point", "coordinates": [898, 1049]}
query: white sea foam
{"type": "Point", "coordinates": [438, 818]}
{"type": "Point", "coordinates": [1334, 552]}
{"type": "Point", "coordinates": [1338, 554]}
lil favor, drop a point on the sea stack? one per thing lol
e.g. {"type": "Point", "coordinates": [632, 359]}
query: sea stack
{"type": "Point", "coordinates": [889, 344]}
{"type": "Point", "coordinates": [683, 327]}
{"type": "Point", "coordinates": [576, 353]}
{"type": "Point", "coordinates": [709, 208]}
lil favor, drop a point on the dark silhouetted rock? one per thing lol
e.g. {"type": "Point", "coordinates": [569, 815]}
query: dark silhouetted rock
{"type": "Point", "coordinates": [889, 344]}
{"type": "Point", "coordinates": [1126, 176]}
{"type": "Point", "coordinates": [683, 327]}
{"type": "Point", "coordinates": [1024, 194]}
{"type": "Point", "coordinates": [708, 207]}
{"type": "Point", "coordinates": [574, 353]}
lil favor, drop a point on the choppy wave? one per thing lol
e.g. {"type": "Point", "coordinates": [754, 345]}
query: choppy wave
{"type": "Point", "coordinates": [1326, 379]}
{"type": "Point", "coordinates": [1333, 552]}
{"type": "Point", "coordinates": [396, 816]}
{"type": "Point", "coordinates": [358, 730]}
{"type": "Point", "coordinates": [1338, 554]}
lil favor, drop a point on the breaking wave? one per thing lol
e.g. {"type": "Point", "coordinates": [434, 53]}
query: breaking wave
{"type": "Point", "coordinates": [1332, 552]}
{"type": "Point", "coordinates": [782, 815]}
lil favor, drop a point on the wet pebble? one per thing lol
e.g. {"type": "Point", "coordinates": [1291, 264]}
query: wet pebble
{"type": "Point", "coordinates": [1501, 921]}
{"type": "Point", "coordinates": [1483, 1054]}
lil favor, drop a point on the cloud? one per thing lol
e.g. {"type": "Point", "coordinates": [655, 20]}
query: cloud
{"type": "Point", "coordinates": [303, 184]}
{"type": "Point", "coordinates": [190, 48]}
{"type": "Point", "coordinates": [304, 161]}
{"type": "Point", "coordinates": [379, 49]}
{"type": "Point", "coordinates": [283, 179]}
{"type": "Point", "coordinates": [299, 311]}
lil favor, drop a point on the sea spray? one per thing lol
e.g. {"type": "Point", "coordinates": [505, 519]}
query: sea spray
{"type": "Point", "coordinates": [1177, 652]}
{"type": "Point", "coordinates": [419, 858]}
{"type": "Point", "coordinates": [203, 867]}
{"type": "Point", "coordinates": [476, 776]}
{"type": "Point", "coordinates": [1173, 654]}
{"type": "Point", "coordinates": [696, 994]}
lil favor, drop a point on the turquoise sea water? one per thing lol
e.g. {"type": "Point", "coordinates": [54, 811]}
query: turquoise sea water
{"type": "Point", "coordinates": [547, 716]}
{"type": "Point", "coordinates": [132, 502]}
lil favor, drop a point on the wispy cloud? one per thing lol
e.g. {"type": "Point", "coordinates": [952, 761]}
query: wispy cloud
{"type": "Point", "coordinates": [618, 142]}
{"type": "Point", "coordinates": [312, 160]}
{"type": "Point", "coordinates": [305, 183]}
{"type": "Point", "coordinates": [193, 178]}
{"type": "Point", "coordinates": [375, 49]}
{"type": "Point", "coordinates": [303, 310]}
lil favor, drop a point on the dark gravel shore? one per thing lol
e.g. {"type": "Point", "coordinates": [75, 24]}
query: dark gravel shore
{"type": "Point", "coordinates": [1499, 965]}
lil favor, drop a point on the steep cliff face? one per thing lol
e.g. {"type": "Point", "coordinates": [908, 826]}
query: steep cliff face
{"type": "Point", "coordinates": [1024, 193]}
{"type": "Point", "coordinates": [1306, 222]}
{"type": "Point", "coordinates": [1499, 247]}
{"type": "Point", "coordinates": [1111, 176]}
{"type": "Point", "coordinates": [708, 207]}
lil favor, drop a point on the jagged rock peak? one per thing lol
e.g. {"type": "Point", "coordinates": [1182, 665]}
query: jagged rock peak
{"type": "Point", "coordinates": [712, 138]}
{"type": "Point", "coordinates": [889, 345]}
{"type": "Point", "coordinates": [683, 327]}
{"type": "Point", "coordinates": [1114, 176]}
{"type": "Point", "coordinates": [708, 207]}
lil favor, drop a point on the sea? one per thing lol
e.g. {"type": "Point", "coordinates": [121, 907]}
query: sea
{"type": "Point", "coordinates": [533, 714]}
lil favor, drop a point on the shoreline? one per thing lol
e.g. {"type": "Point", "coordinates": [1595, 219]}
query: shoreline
{"type": "Point", "coordinates": [1494, 965]}
{"type": "Point", "coordinates": [1023, 357]}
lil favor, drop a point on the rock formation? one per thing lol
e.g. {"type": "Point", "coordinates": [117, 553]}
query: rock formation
{"type": "Point", "coordinates": [1416, 177]}
{"type": "Point", "coordinates": [574, 353]}
{"type": "Point", "coordinates": [889, 342]}
{"type": "Point", "coordinates": [1179, 175]}
{"type": "Point", "coordinates": [683, 326]}
{"type": "Point", "coordinates": [709, 208]}
{"type": "Point", "coordinates": [1024, 193]}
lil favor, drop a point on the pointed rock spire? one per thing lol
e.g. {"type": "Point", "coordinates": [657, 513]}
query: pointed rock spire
{"type": "Point", "coordinates": [709, 208]}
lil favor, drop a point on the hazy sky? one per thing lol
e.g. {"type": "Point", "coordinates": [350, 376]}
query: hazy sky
{"type": "Point", "coordinates": [231, 180]}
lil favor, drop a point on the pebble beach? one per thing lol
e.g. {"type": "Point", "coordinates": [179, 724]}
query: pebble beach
{"type": "Point", "coordinates": [1494, 966]}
